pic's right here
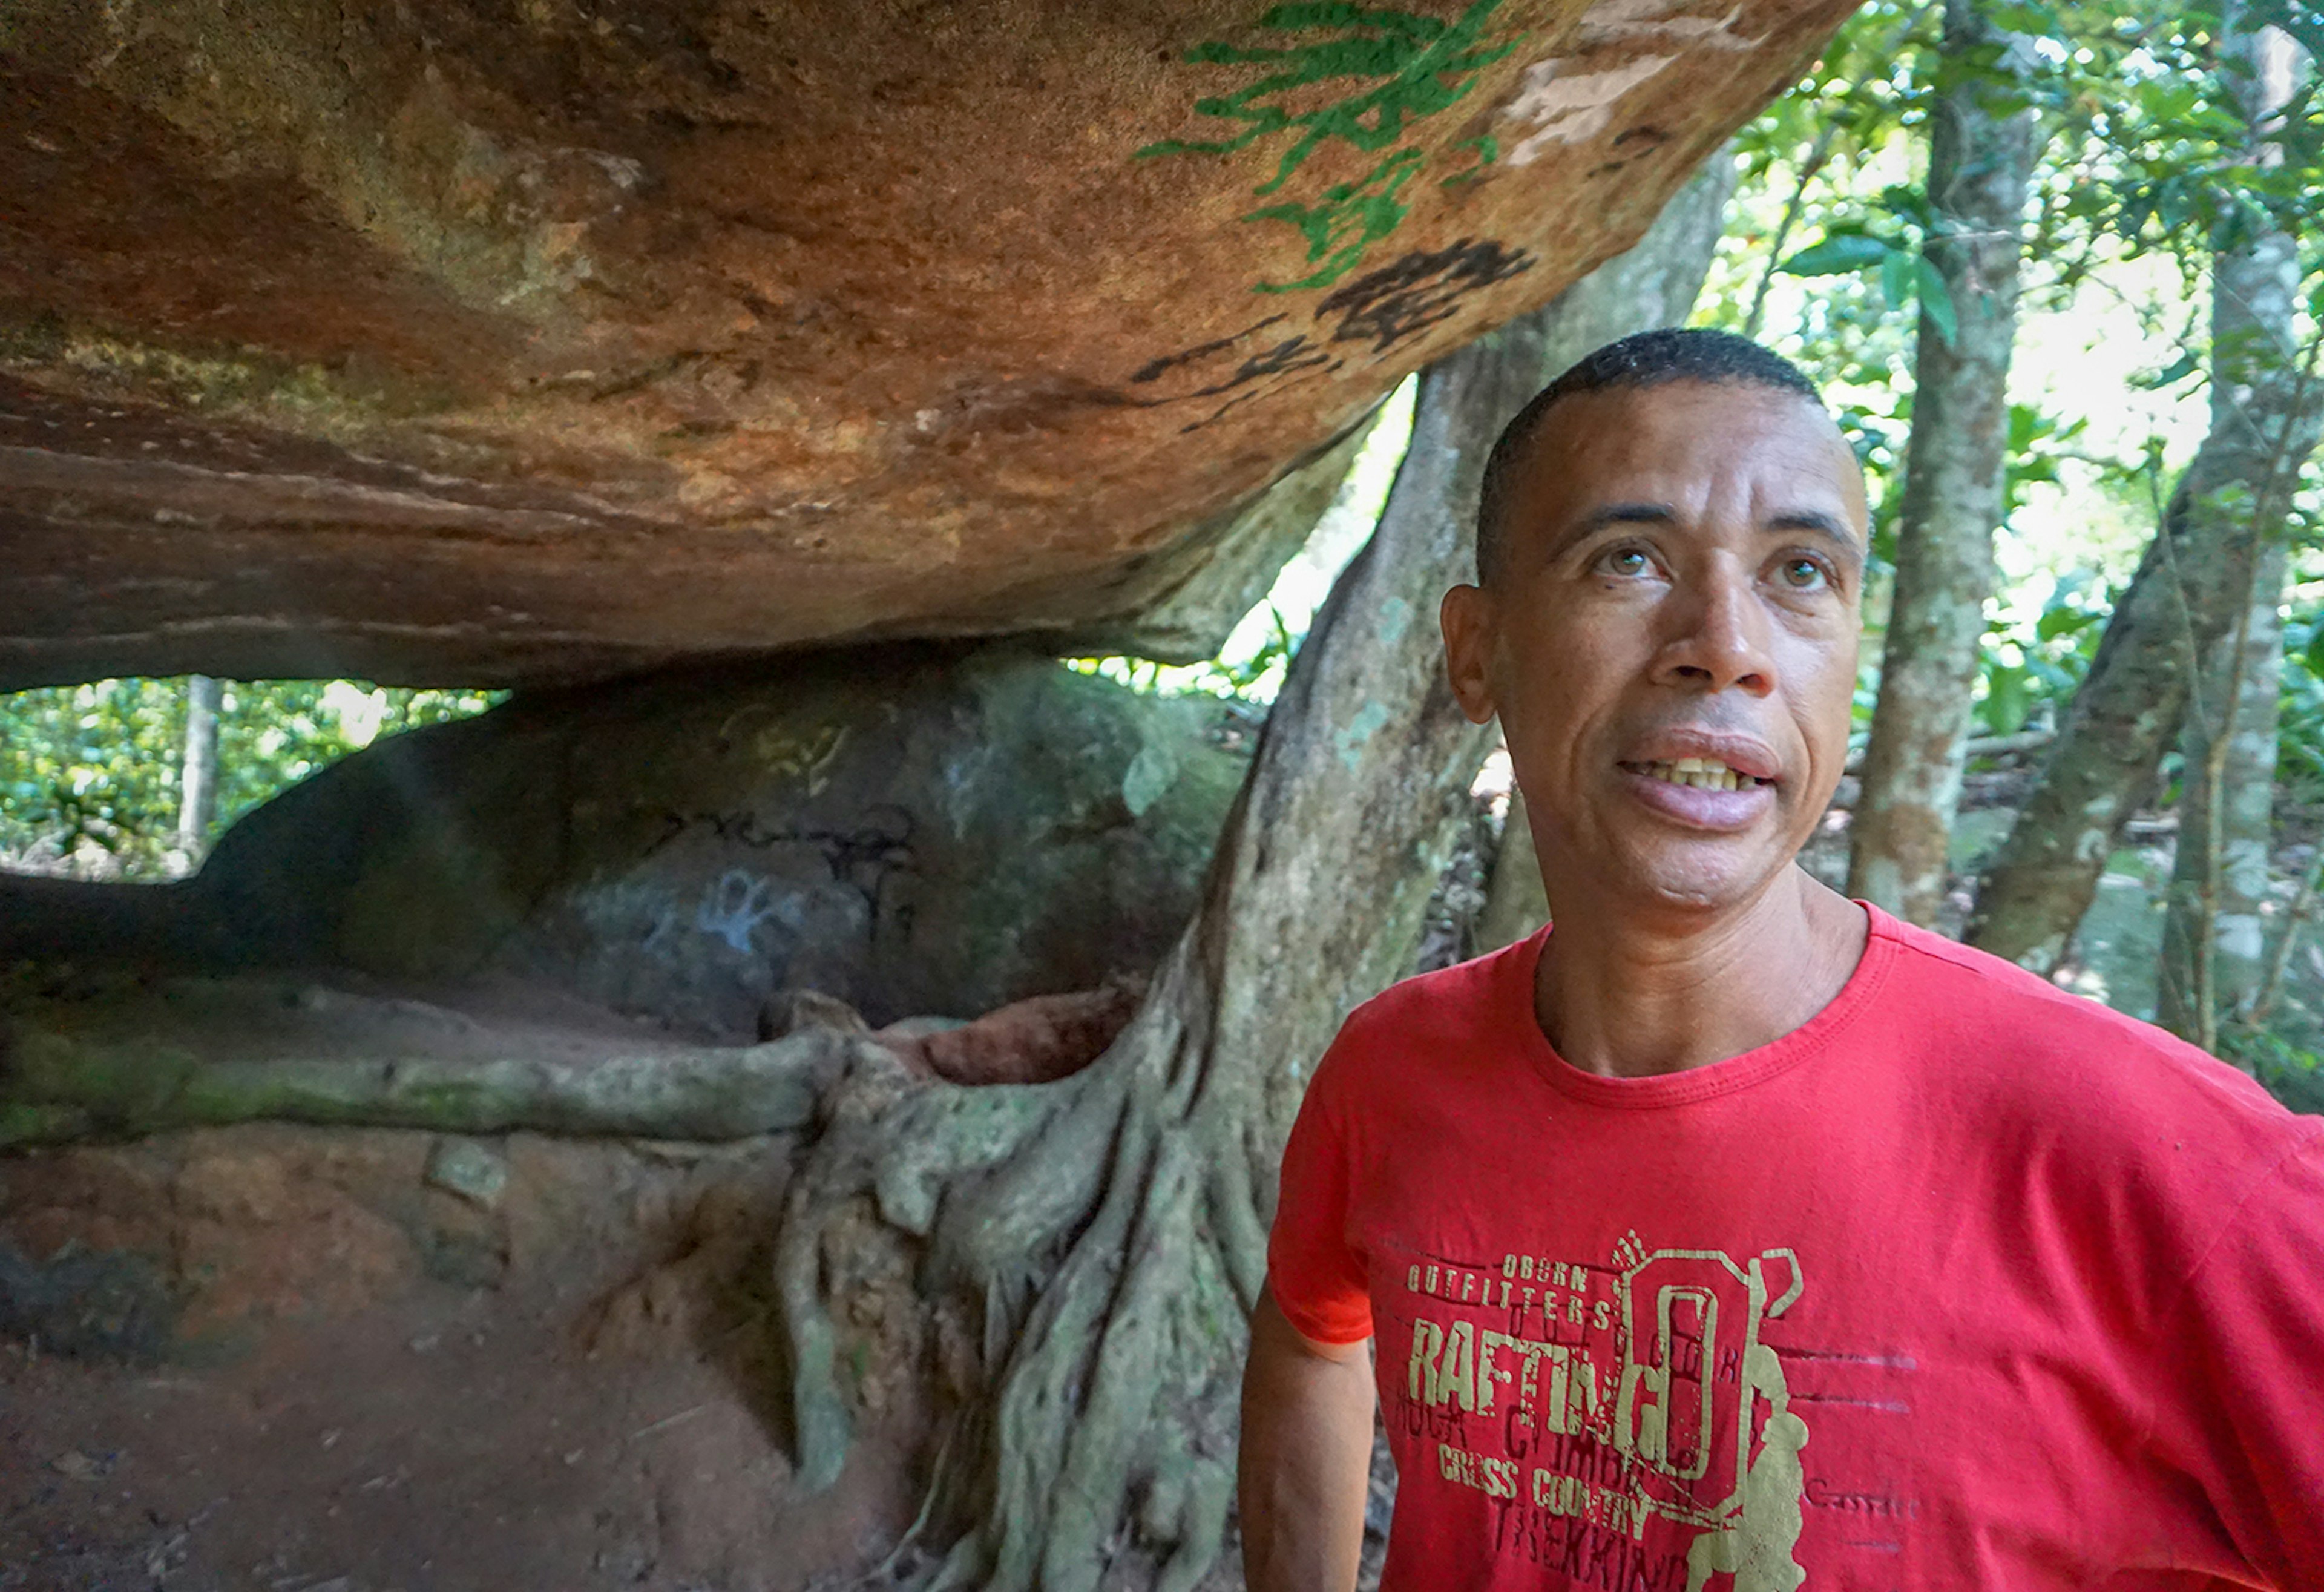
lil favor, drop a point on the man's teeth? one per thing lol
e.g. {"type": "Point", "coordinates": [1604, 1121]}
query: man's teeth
{"type": "Point", "coordinates": [1705, 773]}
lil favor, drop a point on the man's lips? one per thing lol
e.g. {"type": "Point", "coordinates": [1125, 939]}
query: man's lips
{"type": "Point", "coordinates": [1745, 755]}
{"type": "Point", "coordinates": [1694, 806]}
{"type": "Point", "coordinates": [1702, 779]}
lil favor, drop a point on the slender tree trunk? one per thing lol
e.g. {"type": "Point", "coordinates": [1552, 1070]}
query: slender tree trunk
{"type": "Point", "coordinates": [1980, 160]}
{"type": "Point", "coordinates": [1818, 154]}
{"type": "Point", "coordinates": [2196, 580]}
{"type": "Point", "coordinates": [1516, 897]}
{"type": "Point", "coordinates": [198, 783]}
{"type": "Point", "coordinates": [1094, 1247]}
{"type": "Point", "coordinates": [2213, 931]}
{"type": "Point", "coordinates": [2213, 941]}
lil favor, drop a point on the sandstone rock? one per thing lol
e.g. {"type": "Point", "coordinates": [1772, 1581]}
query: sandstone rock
{"type": "Point", "coordinates": [1035, 1040]}
{"type": "Point", "coordinates": [194, 1246]}
{"type": "Point", "coordinates": [458, 342]}
{"type": "Point", "coordinates": [143, 1253]}
{"type": "Point", "coordinates": [89, 1304]}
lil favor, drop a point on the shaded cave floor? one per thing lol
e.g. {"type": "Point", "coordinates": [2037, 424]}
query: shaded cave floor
{"type": "Point", "coordinates": [369, 1383]}
{"type": "Point", "coordinates": [302, 1359]}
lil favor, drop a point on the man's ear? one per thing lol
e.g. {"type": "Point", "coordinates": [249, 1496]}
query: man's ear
{"type": "Point", "coordinates": [1467, 617]}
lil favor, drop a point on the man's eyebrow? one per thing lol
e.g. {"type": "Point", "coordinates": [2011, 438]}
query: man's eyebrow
{"type": "Point", "coordinates": [1627, 514]}
{"type": "Point", "coordinates": [1816, 522]}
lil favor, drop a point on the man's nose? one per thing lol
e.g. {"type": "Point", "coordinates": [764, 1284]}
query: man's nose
{"type": "Point", "coordinates": [1720, 633]}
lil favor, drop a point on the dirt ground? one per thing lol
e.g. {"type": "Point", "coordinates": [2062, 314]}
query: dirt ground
{"type": "Point", "coordinates": [327, 1359]}
{"type": "Point", "coordinates": [281, 1358]}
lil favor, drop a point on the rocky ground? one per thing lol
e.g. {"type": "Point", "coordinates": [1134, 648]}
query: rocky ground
{"type": "Point", "coordinates": [309, 1359]}
{"type": "Point", "coordinates": [336, 1362]}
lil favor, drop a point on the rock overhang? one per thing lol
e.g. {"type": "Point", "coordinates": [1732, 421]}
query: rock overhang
{"type": "Point", "coordinates": [457, 343]}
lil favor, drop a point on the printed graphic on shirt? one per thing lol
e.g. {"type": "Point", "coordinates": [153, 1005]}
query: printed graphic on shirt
{"type": "Point", "coordinates": [1592, 1401]}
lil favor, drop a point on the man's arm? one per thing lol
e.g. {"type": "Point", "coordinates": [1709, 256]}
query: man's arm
{"type": "Point", "coordinates": [1306, 1456]}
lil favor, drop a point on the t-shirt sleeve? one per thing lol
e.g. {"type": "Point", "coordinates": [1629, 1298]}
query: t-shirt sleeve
{"type": "Point", "coordinates": [2247, 1420]}
{"type": "Point", "coordinates": [1316, 1277]}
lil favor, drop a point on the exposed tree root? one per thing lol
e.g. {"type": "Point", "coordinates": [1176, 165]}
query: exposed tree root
{"type": "Point", "coordinates": [56, 1088]}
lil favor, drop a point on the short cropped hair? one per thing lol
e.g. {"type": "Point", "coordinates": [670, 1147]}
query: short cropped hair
{"type": "Point", "coordinates": [1642, 359]}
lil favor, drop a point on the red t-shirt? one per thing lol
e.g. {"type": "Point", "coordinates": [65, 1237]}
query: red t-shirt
{"type": "Point", "coordinates": [1967, 1283]}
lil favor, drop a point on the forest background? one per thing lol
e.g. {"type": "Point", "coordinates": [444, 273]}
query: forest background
{"type": "Point", "coordinates": [2058, 269]}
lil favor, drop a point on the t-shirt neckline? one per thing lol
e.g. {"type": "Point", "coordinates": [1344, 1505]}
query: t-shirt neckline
{"type": "Point", "coordinates": [1718, 1077]}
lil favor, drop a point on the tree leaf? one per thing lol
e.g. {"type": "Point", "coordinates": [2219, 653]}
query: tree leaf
{"type": "Point", "coordinates": [1836, 256]}
{"type": "Point", "coordinates": [1937, 300]}
{"type": "Point", "coordinates": [2178, 369]}
{"type": "Point", "coordinates": [2064, 621]}
{"type": "Point", "coordinates": [1896, 278]}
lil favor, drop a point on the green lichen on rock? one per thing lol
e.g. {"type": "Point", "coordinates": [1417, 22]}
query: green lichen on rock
{"type": "Point", "coordinates": [1406, 68]}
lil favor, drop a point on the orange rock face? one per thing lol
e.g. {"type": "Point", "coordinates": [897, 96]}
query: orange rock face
{"type": "Point", "coordinates": [455, 342]}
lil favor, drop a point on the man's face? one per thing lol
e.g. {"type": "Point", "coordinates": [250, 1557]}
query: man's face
{"type": "Point", "coordinates": [1671, 642]}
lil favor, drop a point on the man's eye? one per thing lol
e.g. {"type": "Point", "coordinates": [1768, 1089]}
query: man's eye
{"type": "Point", "coordinates": [1627, 560]}
{"type": "Point", "coordinates": [1802, 574]}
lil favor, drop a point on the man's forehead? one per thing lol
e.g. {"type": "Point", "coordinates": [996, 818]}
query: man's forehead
{"type": "Point", "coordinates": [1692, 428]}
{"type": "Point", "coordinates": [1682, 437]}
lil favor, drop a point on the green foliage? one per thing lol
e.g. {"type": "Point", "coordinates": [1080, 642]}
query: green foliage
{"type": "Point", "coordinates": [1854, 98]}
{"type": "Point", "coordinates": [2154, 142]}
{"type": "Point", "coordinates": [2300, 728]}
{"type": "Point", "coordinates": [1891, 242]}
{"type": "Point", "coordinates": [92, 766]}
{"type": "Point", "coordinates": [2141, 154]}
{"type": "Point", "coordinates": [1410, 68]}
{"type": "Point", "coordinates": [2292, 1073]}
{"type": "Point", "coordinates": [1252, 678]}
{"type": "Point", "coordinates": [1848, 126]}
{"type": "Point", "coordinates": [89, 775]}
{"type": "Point", "coordinates": [2027, 674]}
{"type": "Point", "coordinates": [2038, 443]}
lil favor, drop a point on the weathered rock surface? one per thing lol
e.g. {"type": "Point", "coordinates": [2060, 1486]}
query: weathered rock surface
{"type": "Point", "coordinates": [910, 831]}
{"type": "Point", "coordinates": [447, 341]}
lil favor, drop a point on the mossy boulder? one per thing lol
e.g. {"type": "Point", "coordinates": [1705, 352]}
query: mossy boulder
{"type": "Point", "coordinates": [912, 831]}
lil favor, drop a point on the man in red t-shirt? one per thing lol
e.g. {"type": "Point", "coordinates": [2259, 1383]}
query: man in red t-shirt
{"type": "Point", "coordinates": [1735, 1234]}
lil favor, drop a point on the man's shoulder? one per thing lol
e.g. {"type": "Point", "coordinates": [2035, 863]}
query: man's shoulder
{"type": "Point", "coordinates": [2007, 1041]}
{"type": "Point", "coordinates": [1954, 987]}
{"type": "Point", "coordinates": [1437, 1021]}
{"type": "Point", "coordinates": [1465, 998]}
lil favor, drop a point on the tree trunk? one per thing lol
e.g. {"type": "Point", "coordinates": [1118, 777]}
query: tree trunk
{"type": "Point", "coordinates": [2211, 961]}
{"type": "Point", "coordinates": [2213, 934]}
{"type": "Point", "coordinates": [2197, 579]}
{"type": "Point", "coordinates": [198, 783]}
{"type": "Point", "coordinates": [1095, 1245]}
{"type": "Point", "coordinates": [1516, 897]}
{"type": "Point", "coordinates": [1980, 160]}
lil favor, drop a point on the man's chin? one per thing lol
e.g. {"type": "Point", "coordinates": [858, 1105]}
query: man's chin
{"type": "Point", "coordinates": [1707, 878]}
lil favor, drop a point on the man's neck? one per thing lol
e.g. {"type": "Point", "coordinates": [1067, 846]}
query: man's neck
{"type": "Point", "coordinates": [1624, 998]}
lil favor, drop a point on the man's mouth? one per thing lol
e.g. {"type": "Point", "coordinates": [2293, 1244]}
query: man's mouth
{"type": "Point", "coordinates": [1705, 774]}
